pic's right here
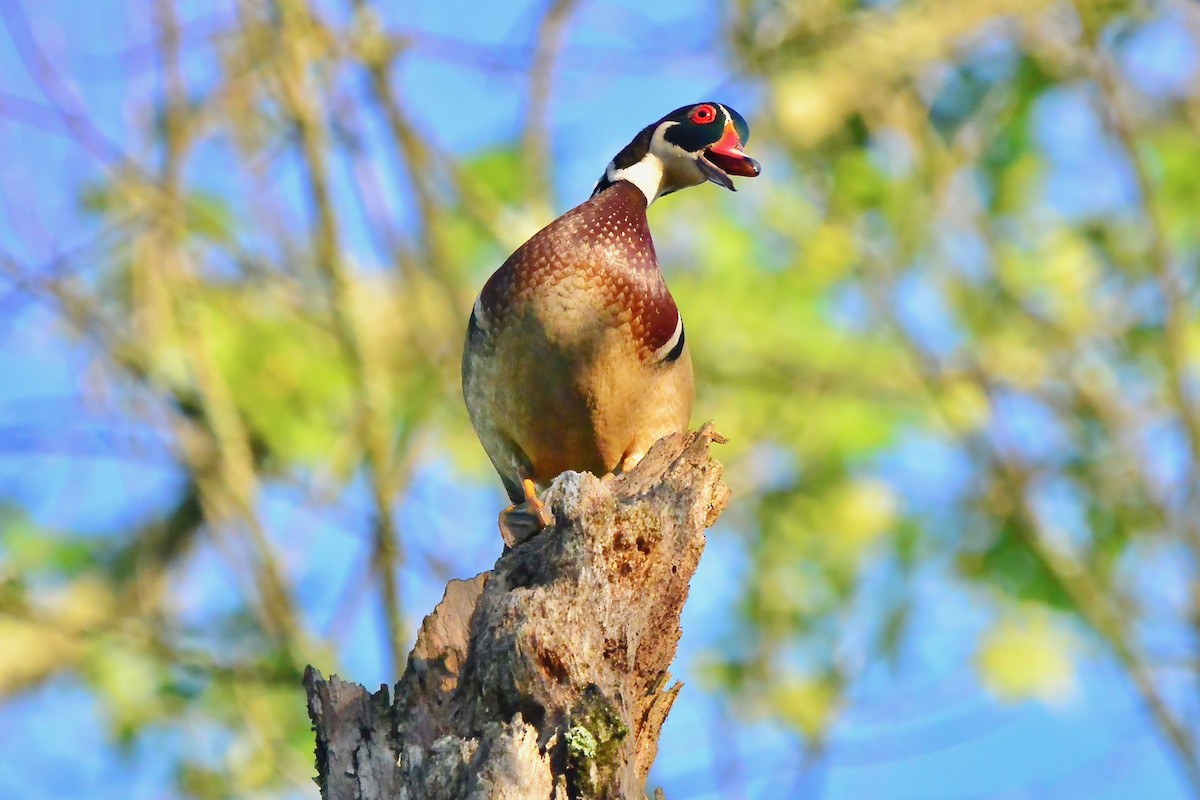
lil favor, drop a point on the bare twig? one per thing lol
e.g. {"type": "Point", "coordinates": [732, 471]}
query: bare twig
{"type": "Point", "coordinates": [59, 96]}
{"type": "Point", "coordinates": [535, 138]}
{"type": "Point", "coordinates": [1175, 304]}
{"type": "Point", "coordinates": [233, 480]}
{"type": "Point", "coordinates": [300, 99]}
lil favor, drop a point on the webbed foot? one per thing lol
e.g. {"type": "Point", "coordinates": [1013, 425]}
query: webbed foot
{"type": "Point", "coordinates": [519, 523]}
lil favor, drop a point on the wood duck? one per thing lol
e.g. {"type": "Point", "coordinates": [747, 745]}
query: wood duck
{"type": "Point", "coordinates": [575, 356]}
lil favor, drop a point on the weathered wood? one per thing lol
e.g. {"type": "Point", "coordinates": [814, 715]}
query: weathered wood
{"type": "Point", "coordinates": [547, 677]}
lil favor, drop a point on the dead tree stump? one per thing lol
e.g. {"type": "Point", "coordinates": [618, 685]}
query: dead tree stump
{"type": "Point", "coordinates": [545, 678]}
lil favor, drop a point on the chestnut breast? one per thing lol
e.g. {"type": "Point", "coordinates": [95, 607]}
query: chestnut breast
{"type": "Point", "coordinates": [595, 265]}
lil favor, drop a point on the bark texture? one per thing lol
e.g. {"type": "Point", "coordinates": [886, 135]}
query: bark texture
{"type": "Point", "coordinates": [547, 677]}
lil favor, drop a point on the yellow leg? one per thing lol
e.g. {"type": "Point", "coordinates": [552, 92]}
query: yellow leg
{"type": "Point", "coordinates": [536, 507]}
{"type": "Point", "coordinates": [520, 522]}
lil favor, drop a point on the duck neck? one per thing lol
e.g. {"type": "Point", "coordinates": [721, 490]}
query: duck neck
{"type": "Point", "coordinates": [647, 175]}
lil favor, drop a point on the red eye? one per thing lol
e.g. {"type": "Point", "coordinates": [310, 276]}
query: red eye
{"type": "Point", "coordinates": [702, 115]}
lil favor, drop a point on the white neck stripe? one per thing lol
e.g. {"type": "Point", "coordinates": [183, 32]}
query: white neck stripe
{"type": "Point", "coordinates": [646, 175]}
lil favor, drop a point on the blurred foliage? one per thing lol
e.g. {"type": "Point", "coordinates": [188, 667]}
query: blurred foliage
{"type": "Point", "coordinates": [1027, 659]}
{"type": "Point", "coordinates": [976, 235]}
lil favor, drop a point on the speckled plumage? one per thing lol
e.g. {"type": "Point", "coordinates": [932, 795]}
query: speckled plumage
{"type": "Point", "coordinates": [600, 252]}
{"type": "Point", "coordinates": [564, 366]}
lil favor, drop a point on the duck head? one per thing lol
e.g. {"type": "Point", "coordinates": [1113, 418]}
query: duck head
{"type": "Point", "coordinates": [691, 145]}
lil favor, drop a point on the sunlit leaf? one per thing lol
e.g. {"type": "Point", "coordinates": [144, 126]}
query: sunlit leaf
{"type": "Point", "coordinates": [1027, 659]}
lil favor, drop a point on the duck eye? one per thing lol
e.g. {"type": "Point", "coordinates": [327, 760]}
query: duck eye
{"type": "Point", "coordinates": [702, 115]}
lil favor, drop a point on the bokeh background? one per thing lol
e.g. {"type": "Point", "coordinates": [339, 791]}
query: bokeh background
{"type": "Point", "coordinates": [951, 333]}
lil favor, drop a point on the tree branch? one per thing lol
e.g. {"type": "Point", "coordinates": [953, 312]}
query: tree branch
{"type": "Point", "coordinates": [545, 677]}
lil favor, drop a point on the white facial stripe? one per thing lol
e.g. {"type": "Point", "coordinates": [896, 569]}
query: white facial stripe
{"type": "Point", "coordinates": [661, 352]}
{"type": "Point", "coordinates": [661, 147]}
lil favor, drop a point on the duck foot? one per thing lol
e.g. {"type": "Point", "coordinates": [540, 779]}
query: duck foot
{"type": "Point", "coordinates": [519, 523]}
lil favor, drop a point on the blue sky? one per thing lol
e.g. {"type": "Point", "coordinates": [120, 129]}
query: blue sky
{"type": "Point", "coordinates": [925, 732]}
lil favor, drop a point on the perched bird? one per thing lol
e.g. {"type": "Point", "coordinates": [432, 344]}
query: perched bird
{"type": "Point", "coordinates": [575, 357]}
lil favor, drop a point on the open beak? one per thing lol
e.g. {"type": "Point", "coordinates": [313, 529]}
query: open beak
{"type": "Point", "coordinates": [725, 158]}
